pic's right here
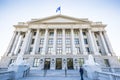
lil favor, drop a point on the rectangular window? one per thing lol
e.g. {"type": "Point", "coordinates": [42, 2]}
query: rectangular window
{"type": "Point", "coordinates": [59, 41]}
{"type": "Point", "coordinates": [59, 33]}
{"type": "Point", "coordinates": [40, 50]}
{"type": "Point", "coordinates": [106, 61]}
{"type": "Point", "coordinates": [33, 41]}
{"type": "Point", "coordinates": [81, 61]}
{"type": "Point", "coordinates": [85, 41]}
{"type": "Point", "coordinates": [76, 32]}
{"type": "Point", "coordinates": [67, 33]}
{"type": "Point", "coordinates": [50, 41]}
{"type": "Point", "coordinates": [12, 61]}
{"type": "Point", "coordinates": [84, 33]}
{"type": "Point", "coordinates": [50, 49]}
{"type": "Point", "coordinates": [97, 43]}
{"type": "Point", "coordinates": [78, 49]}
{"type": "Point", "coordinates": [34, 33]}
{"type": "Point", "coordinates": [30, 49]}
{"type": "Point", "coordinates": [76, 41]}
{"type": "Point", "coordinates": [67, 41]}
{"type": "Point", "coordinates": [36, 62]}
{"type": "Point", "coordinates": [42, 33]}
{"type": "Point", "coordinates": [68, 50]}
{"type": "Point", "coordinates": [59, 50]}
{"type": "Point", "coordinates": [41, 41]}
{"type": "Point", "coordinates": [87, 49]}
{"type": "Point", "coordinates": [51, 34]}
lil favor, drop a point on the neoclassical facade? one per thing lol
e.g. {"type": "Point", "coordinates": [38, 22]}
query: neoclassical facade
{"type": "Point", "coordinates": [59, 42]}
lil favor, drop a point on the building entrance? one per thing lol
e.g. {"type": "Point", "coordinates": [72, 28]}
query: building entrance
{"type": "Point", "coordinates": [47, 63]}
{"type": "Point", "coordinates": [58, 63]}
{"type": "Point", "coordinates": [69, 63]}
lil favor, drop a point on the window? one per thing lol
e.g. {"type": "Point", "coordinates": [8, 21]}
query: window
{"type": "Point", "coordinates": [41, 41]}
{"type": "Point", "coordinates": [32, 41]}
{"type": "Point", "coordinates": [81, 61]}
{"type": "Point", "coordinates": [85, 41]}
{"type": "Point", "coordinates": [36, 62]}
{"type": "Point", "coordinates": [30, 49]}
{"type": "Point", "coordinates": [78, 49]}
{"type": "Point", "coordinates": [59, 41]}
{"type": "Point", "coordinates": [67, 33]}
{"type": "Point", "coordinates": [59, 50]}
{"type": "Point", "coordinates": [97, 43]}
{"type": "Point", "coordinates": [100, 51]}
{"type": "Point", "coordinates": [84, 33]}
{"type": "Point", "coordinates": [50, 49]}
{"type": "Point", "coordinates": [68, 50]}
{"type": "Point", "coordinates": [87, 49]}
{"type": "Point", "coordinates": [34, 33]}
{"type": "Point", "coordinates": [76, 32]}
{"type": "Point", "coordinates": [51, 34]}
{"type": "Point", "coordinates": [19, 50]}
{"type": "Point", "coordinates": [76, 41]}
{"type": "Point", "coordinates": [42, 33]}
{"type": "Point", "coordinates": [40, 50]}
{"type": "Point", "coordinates": [67, 41]}
{"type": "Point", "coordinates": [59, 33]}
{"type": "Point", "coordinates": [50, 41]}
{"type": "Point", "coordinates": [106, 61]}
{"type": "Point", "coordinates": [12, 61]}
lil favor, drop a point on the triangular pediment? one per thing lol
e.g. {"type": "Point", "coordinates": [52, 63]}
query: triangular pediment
{"type": "Point", "coordinates": [58, 19]}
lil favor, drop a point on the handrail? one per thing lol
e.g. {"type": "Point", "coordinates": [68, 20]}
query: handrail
{"type": "Point", "coordinates": [108, 75]}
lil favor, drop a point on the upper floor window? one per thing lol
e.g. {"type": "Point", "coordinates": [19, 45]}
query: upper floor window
{"type": "Point", "coordinates": [51, 34]}
{"type": "Point", "coordinates": [50, 49]}
{"type": "Point", "coordinates": [68, 50]}
{"type": "Point", "coordinates": [50, 41]}
{"type": "Point", "coordinates": [41, 41]}
{"type": "Point", "coordinates": [34, 33]}
{"type": "Point", "coordinates": [78, 49]}
{"type": "Point", "coordinates": [59, 33]}
{"type": "Point", "coordinates": [106, 61]}
{"type": "Point", "coordinates": [97, 43]}
{"type": "Point", "coordinates": [59, 41]}
{"type": "Point", "coordinates": [67, 41]}
{"type": "Point", "coordinates": [67, 33]}
{"type": "Point", "coordinates": [76, 32]}
{"type": "Point", "coordinates": [87, 49]}
{"type": "Point", "coordinates": [30, 50]}
{"type": "Point", "coordinates": [40, 50]}
{"type": "Point", "coordinates": [59, 50]}
{"type": "Point", "coordinates": [32, 41]}
{"type": "Point", "coordinates": [84, 33]}
{"type": "Point", "coordinates": [85, 41]}
{"type": "Point", "coordinates": [76, 41]}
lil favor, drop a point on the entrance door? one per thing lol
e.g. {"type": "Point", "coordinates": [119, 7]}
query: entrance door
{"type": "Point", "coordinates": [69, 63]}
{"type": "Point", "coordinates": [47, 63]}
{"type": "Point", "coordinates": [58, 63]}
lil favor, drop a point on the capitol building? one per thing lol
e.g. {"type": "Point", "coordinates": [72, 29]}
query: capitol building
{"type": "Point", "coordinates": [60, 42]}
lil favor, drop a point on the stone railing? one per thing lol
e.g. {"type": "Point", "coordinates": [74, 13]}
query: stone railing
{"type": "Point", "coordinates": [107, 76]}
{"type": "Point", "coordinates": [9, 75]}
{"type": "Point", "coordinates": [113, 70]}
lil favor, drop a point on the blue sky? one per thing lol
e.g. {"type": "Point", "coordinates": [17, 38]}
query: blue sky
{"type": "Point", "coordinates": [13, 11]}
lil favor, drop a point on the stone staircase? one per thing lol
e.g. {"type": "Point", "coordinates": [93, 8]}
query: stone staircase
{"type": "Point", "coordinates": [36, 74]}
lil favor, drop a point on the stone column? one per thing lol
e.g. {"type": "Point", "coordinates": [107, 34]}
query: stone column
{"type": "Point", "coordinates": [54, 43]}
{"type": "Point", "coordinates": [92, 45]}
{"type": "Point", "coordinates": [45, 42]}
{"type": "Point", "coordinates": [25, 43]}
{"type": "Point", "coordinates": [15, 43]}
{"type": "Point", "coordinates": [108, 42]}
{"type": "Point", "coordinates": [73, 43]}
{"type": "Point", "coordinates": [104, 44]}
{"type": "Point", "coordinates": [63, 42]}
{"type": "Point", "coordinates": [11, 44]}
{"type": "Point", "coordinates": [82, 44]}
{"type": "Point", "coordinates": [18, 45]}
{"type": "Point", "coordinates": [35, 44]}
{"type": "Point", "coordinates": [96, 47]}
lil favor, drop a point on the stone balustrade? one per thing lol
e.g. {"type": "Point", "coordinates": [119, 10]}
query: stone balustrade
{"type": "Point", "coordinates": [107, 76]}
